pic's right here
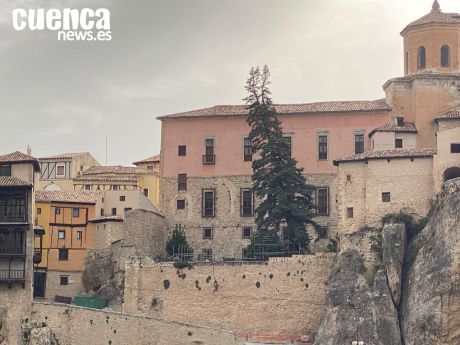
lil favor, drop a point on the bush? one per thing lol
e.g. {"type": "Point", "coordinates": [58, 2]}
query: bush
{"type": "Point", "coordinates": [332, 246]}
{"type": "Point", "coordinates": [177, 245]}
{"type": "Point", "coordinates": [413, 226]}
{"type": "Point", "coordinates": [180, 265]}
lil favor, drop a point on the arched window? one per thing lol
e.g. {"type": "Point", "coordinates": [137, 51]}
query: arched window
{"type": "Point", "coordinates": [445, 56]}
{"type": "Point", "coordinates": [421, 58]}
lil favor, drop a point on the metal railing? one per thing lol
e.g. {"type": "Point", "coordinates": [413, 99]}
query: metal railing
{"type": "Point", "coordinates": [10, 274]}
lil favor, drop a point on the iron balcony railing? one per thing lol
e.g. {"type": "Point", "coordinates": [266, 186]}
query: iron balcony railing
{"type": "Point", "coordinates": [209, 159]}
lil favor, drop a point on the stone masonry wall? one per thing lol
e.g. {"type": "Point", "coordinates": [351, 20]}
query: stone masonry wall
{"type": "Point", "coordinates": [360, 186]}
{"type": "Point", "coordinates": [76, 325]}
{"type": "Point", "coordinates": [284, 295]}
{"type": "Point", "coordinates": [54, 288]}
{"type": "Point", "coordinates": [227, 224]}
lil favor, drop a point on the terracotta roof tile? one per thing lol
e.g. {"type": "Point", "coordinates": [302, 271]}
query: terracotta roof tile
{"type": "Point", "coordinates": [153, 159]}
{"type": "Point", "coordinates": [19, 157]}
{"type": "Point", "coordinates": [407, 127]}
{"type": "Point", "coordinates": [453, 115]}
{"type": "Point", "coordinates": [116, 170]}
{"type": "Point", "coordinates": [107, 178]}
{"type": "Point", "coordinates": [84, 197]}
{"type": "Point", "coordinates": [386, 154]}
{"type": "Point", "coordinates": [434, 17]}
{"type": "Point", "coordinates": [7, 181]}
{"type": "Point", "coordinates": [63, 156]}
{"type": "Point", "coordinates": [287, 109]}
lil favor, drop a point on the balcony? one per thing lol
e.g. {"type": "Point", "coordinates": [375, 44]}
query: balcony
{"type": "Point", "coordinates": [12, 251]}
{"type": "Point", "coordinates": [12, 275]}
{"type": "Point", "coordinates": [209, 159]}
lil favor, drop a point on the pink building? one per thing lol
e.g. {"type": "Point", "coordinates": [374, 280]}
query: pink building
{"type": "Point", "coordinates": [206, 161]}
{"type": "Point", "coordinates": [206, 170]}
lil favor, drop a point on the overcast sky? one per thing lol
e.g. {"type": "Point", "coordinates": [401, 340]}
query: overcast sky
{"type": "Point", "coordinates": [168, 56]}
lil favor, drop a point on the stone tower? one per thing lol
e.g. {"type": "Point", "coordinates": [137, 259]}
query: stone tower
{"type": "Point", "coordinates": [431, 82]}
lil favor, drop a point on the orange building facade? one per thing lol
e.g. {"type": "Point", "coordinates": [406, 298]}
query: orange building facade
{"type": "Point", "coordinates": [68, 236]}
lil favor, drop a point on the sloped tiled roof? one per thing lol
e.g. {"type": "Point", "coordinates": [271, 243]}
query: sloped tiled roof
{"type": "Point", "coordinates": [7, 181]}
{"type": "Point", "coordinates": [407, 127]}
{"type": "Point", "coordinates": [387, 154]}
{"type": "Point", "coordinates": [108, 178]}
{"type": "Point", "coordinates": [19, 157]}
{"type": "Point", "coordinates": [287, 109]}
{"type": "Point", "coordinates": [83, 197]}
{"type": "Point", "coordinates": [63, 156]}
{"type": "Point", "coordinates": [434, 17]}
{"type": "Point", "coordinates": [153, 159]}
{"type": "Point", "coordinates": [116, 170]}
{"type": "Point", "coordinates": [453, 115]}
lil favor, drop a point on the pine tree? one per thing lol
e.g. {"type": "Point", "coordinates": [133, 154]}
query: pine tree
{"type": "Point", "coordinates": [286, 200]}
{"type": "Point", "coordinates": [177, 245]}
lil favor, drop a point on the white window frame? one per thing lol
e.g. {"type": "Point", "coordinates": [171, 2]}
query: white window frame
{"type": "Point", "coordinates": [57, 167]}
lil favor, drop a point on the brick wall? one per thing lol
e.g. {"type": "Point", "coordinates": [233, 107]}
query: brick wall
{"type": "Point", "coordinates": [283, 296]}
{"type": "Point", "coordinates": [76, 325]}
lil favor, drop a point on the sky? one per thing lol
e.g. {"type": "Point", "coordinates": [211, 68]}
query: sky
{"type": "Point", "coordinates": [169, 56]}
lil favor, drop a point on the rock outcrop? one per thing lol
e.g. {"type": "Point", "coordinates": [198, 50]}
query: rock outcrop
{"type": "Point", "coordinates": [356, 310]}
{"type": "Point", "coordinates": [393, 247]}
{"type": "Point", "coordinates": [430, 313]}
{"type": "Point", "coordinates": [42, 336]}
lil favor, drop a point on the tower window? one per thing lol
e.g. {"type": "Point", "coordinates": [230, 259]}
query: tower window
{"type": "Point", "coordinates": [445, 56]}
{"type": "Point", "coordinates": [421, 58]}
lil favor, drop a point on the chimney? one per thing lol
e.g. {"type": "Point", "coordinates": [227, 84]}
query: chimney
{"type": "Point", "coordinates": [29, 150]}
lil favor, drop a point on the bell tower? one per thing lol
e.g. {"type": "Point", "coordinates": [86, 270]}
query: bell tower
{"type": "Point", "coordinates": [431, 82]}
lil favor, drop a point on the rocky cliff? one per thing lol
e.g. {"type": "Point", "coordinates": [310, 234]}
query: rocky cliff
{"type": "Point", "coordinates": [413, 298]}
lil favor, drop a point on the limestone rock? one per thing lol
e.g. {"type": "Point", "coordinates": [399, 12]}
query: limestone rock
{"type": "Point", "coordinates": [42, 336]}
{"type": "Point", "coordinates": [355, 310]}
{"type": "Point", "coordinates": [430, 312]}
{"type": "Point", "coordinates": [393, 245]}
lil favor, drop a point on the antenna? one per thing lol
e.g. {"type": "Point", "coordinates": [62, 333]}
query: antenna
{"type": "Point", "coordinates": [106, 149]}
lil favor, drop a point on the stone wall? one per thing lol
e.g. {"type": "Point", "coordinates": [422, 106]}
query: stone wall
{"type": "Point", "coordinates": [76, 325]}
{"type": "Point", "coordinates": [54, 287]}
{"type": "Point", "coordinates": [360, 186]}
{"type": "Point", "coordinates": [227, 224]}
{"type": "Point", "coordinates": [284, 295]}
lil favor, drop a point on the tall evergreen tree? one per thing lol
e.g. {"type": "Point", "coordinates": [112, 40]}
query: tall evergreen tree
{"type": "Point", "coordinates": [286, 200]}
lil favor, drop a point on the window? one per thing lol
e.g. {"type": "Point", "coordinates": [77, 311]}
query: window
{"type": "Point", "coordinates": [247, 150]}
{"type": "Point", "coordinates": [79, 235]}
{"type": "Point", "coordinates": [206, 254]}
{"type": "Point", "coordinates": [322, 201]}
{"type": "Point", "coordinates": [60, 170]}
{"type": "Point", "coordinates": [150, 167]}
{"type": "Point", "coordinates": [5, 170]}
{"type": "Point", "coordinates": [12, 242]}
{"type": "Point", "coordinates": [398, 143]}
{"type": "Point", "coordinates": [146, 192]}
{"type": "Point", "coordinates": [12, 207]}
{"type": "Point", "coordinates": [246, 202]}
{"type": "Point", "coordinates": [61, 234]}
{"type": "Point", "coordinates": [64, 280]}
{"type": "Point", "coordinates": [39, 210]}
{"type": "Point", "coordinates": [386, 197]}
{"type": "Point", "coordinates": [421, 58]}
{"type": "Point", "coordinates": [209, 156]}
{"type": "Point", "coordinates": [445, 56]}
{"type": "Point", "coordinates": [114, 211]}
{"type": "Point", "coordinates": [208, 203]}
{"type": "Point", "coordinates": [182, 182]}
{"type": "Point", "coordinates": [182, 150]}
{"type": "Point", "coordinates": [323, 232]}
{"type": "Point", "coordinates": [57, 210]}
{"type": "Point", "coordinates": [181, 204]}
{"type": "Point", "coordinates": [87, 187]}
{"type": "Point", "coordinates": [322, 147]}
{"type": "Point", "coordinates": [247, 232]}
{"type": "Point", "coordinates": [128, 209]}
{"type": "Point", "coordinates": [288, 140]}
{"type": "Point", "coordinates": [102, 212]}
{"type": "Point", "coordinates": [208, 233]}
{"type": "Point", "coordinates": [350, 212]}
{"type": "Point", "coordinates": [454, 148]}
{"type": "Point", "coordinates": [359, 143]}
{"type": "Point", "coordinates": [115, 187]}
{"type": "Point", "coordinates": [63, 254]}
{"type": "Point", "coordinates": [122, 198]}
{"type": "Point", "coordinates": [75, 212]}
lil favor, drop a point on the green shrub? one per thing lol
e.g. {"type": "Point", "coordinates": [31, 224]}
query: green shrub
{"type": "Point", "coordinates": [413, 226]}
{"type": "Point", "coordinates": [180, 265]}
